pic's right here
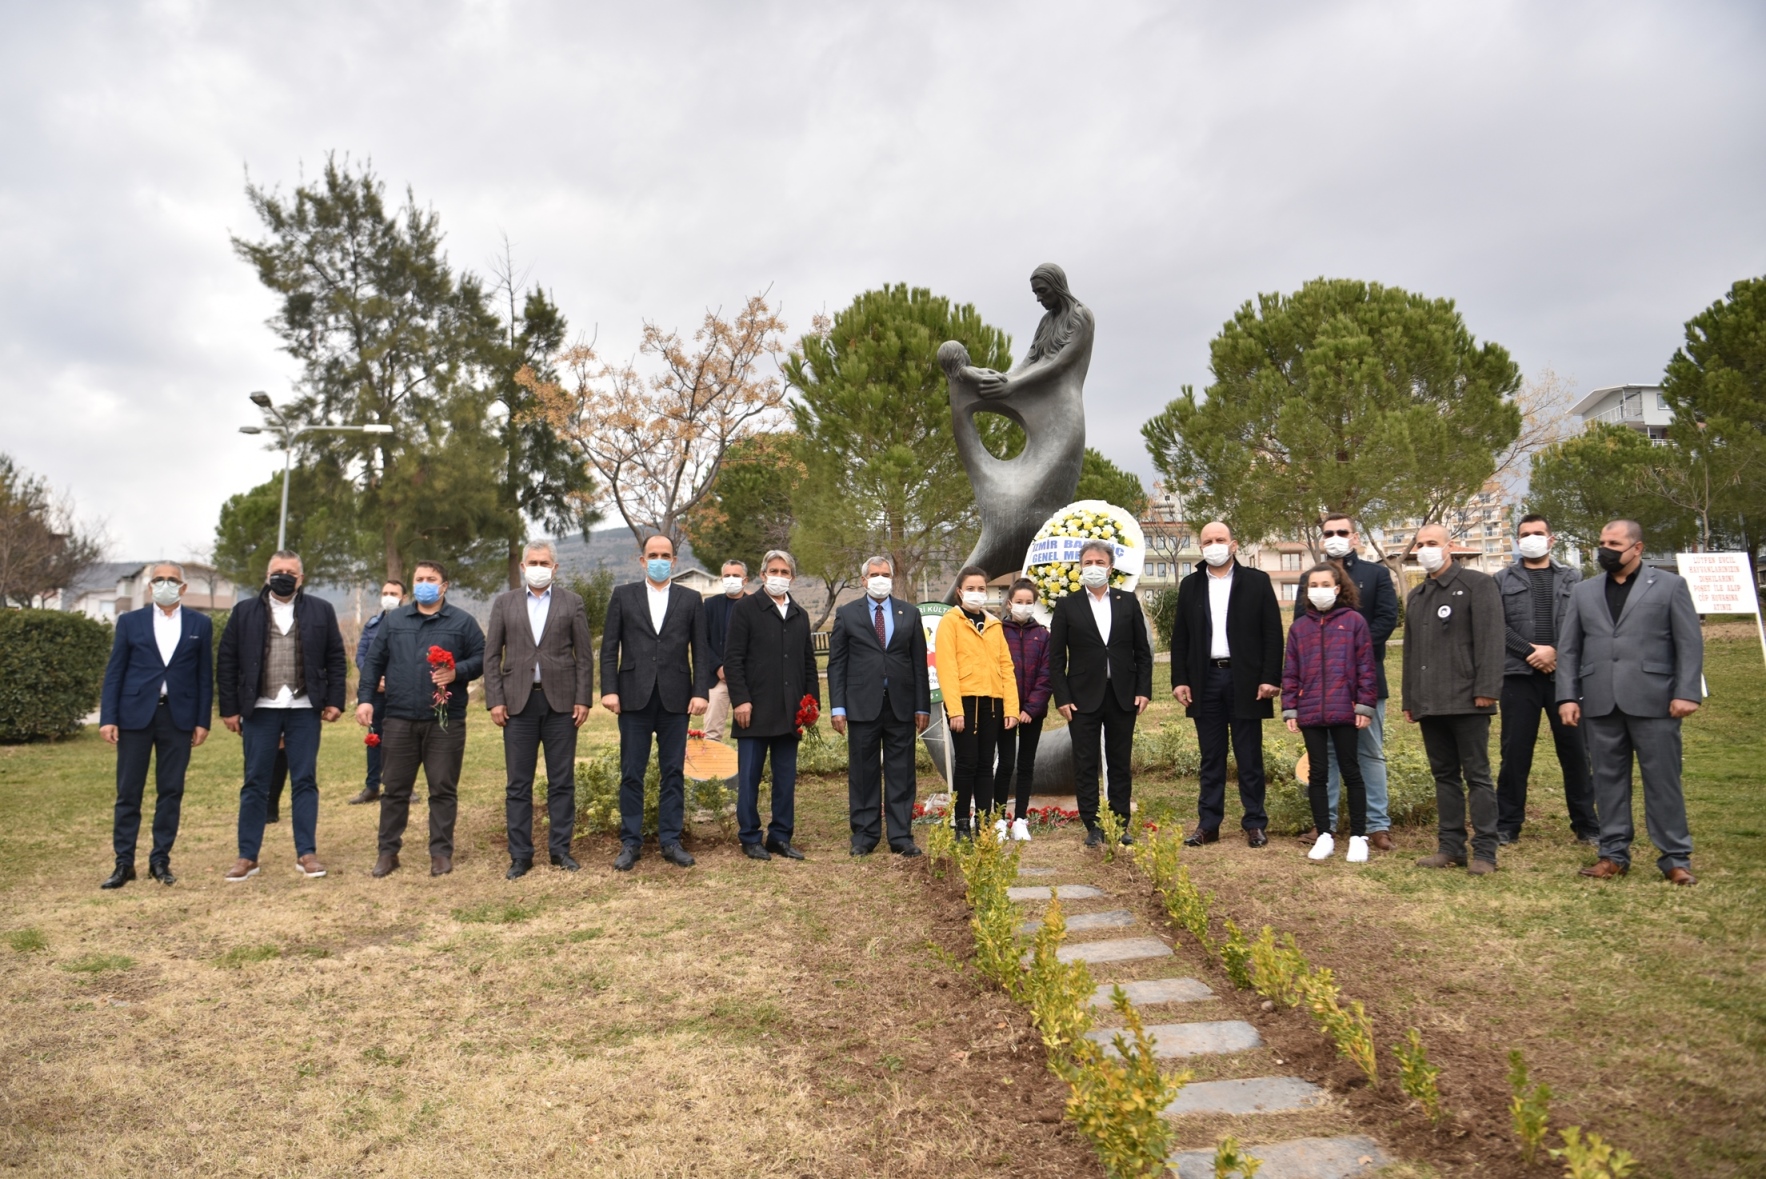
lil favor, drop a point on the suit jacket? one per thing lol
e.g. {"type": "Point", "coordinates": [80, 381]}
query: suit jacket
{"type": "Point", "coordinates": [1378, 608]}
{"type": "Point", "coordinates": [565, 653]}
{"type": "Point", "coordinates": [858, 664]}
{"type": "Point", "coordinates": [135, 672]}
{"type": "Point", "coordinates": [1253, 635]}
{"type": "Point", "coordinates": [636, 661]}
{"type": "Point", "coordinates": [1454, 638]}
{"type": "Point", "coordinates": [1655, 654]}
{"type": "Point", "coordinates": [770, 662]}
{"type": "Point", "coordinates": [240, 659]}
{"type": "Point", "coordinates": [1081, 666]}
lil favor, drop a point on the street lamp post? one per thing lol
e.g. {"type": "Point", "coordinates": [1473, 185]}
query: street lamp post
{"type": "Point", "coordinates": [287, 431]}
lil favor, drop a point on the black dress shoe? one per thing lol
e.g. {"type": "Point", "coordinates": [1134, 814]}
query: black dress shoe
{"type": "Point", "coordinates": [1202, 835]}
{"type": "Point", "coordinates": [755, 852]}
{"type": "Point", "coordinates": [677, 855]}
{"type": "Point", "coordinates": [365, 795]}
{"type": "Point", "coordinates": [162, 873]}
{"type": "Point", "coordinates": [859, 849]}
{"type": "Point", "coordinates": [1094, 837]}
{"type": "Point", "coordinates": [518, 869]}
{"type": "Point", "coordinates": [123, 874]}
{"type": "Point", "coordinates": [626, 858]}
{"type": "Point", "coordinates": [908, 852]}
{"type": "Point", "coordinates": [780, 847]}
{"type": "Point", "coordinates": [1257, 837]}
{"type": "Point", "coordinates": [1127, 840]}
{"type": "Point", "coordinates": [566, 862]}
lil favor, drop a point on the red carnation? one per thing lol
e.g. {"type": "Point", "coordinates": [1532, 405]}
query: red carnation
{"type": "Point", "coordinates": [440, 657]}
{"type": "Point", "coordinates": [808, 712]}
{"type": "Point", "coordinates": [371, 740]}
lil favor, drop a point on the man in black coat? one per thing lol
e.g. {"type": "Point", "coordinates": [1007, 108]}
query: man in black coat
{"type": "Point", "coordinates": [1101, 673]}
{"type": "Point", "coordinates": [1226, 668]}
{"type": "Point", "coordinates": [656, 670]}
{"type": "Point", "coordinates": [280, 670]}
{"type": "Point", "coordinates": [770, 666]}
{"type": "Point", "coordinates": [880, 698]}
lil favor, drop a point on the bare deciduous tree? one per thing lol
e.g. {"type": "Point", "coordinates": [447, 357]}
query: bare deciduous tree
{"type": "Point", "coordinates": [42, 550]}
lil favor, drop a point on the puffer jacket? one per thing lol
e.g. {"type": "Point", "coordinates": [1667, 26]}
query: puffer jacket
{"type": "Point", "coordinates": [1329, 676]}
{"type": "Point", "coordinates": [1029, 644]}
{"type": "Point", "coordinates": [974, 663]}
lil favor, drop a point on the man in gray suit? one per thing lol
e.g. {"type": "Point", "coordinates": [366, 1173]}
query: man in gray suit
{"type": "Point", "coordinates": [538, 682]}
{"type": "Point", "coordinates": [1629, 667]}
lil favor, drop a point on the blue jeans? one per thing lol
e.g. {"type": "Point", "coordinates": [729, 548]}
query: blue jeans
{"type": "Point", "coordinates": [298, 728]}
{"type": "Point", "coordinates": [1372, 757]}
{"type": "Point", "coordinates": [751, 756]}
{"type": "Point", "coordinates": [636, 727]}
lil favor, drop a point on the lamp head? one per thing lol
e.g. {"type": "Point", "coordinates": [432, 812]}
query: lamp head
{"type": "Point", "coordinates": [251, 429]}
{"type": "Point", "coordinates": [261, 399]}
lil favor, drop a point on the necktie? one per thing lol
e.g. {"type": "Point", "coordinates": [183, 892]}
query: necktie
{"type": "Point", "coordinates": [882, 633]}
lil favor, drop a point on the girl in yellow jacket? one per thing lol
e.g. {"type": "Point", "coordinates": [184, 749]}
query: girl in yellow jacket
{"type": "Point", "coordinates": [980, 692]}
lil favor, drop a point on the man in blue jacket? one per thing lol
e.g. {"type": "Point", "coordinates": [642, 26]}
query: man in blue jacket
{"type": "Point", "coordinates": [392, 596]}
{"type": "Point", "coordinates": [158, 693]}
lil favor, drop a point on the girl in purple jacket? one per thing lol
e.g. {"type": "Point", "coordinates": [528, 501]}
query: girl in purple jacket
{"type": "Point", "coordinates": [1029, 643]}
{"type": "Point", "coordinates": [1328, 692]}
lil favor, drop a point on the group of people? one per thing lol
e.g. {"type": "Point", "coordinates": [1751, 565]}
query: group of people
{"type": "Point", "coordinates": [1613, 662]}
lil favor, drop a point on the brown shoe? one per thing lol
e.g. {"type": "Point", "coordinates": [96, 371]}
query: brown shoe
{"type": "Point", "coordinates": [1482, 868]}
{"type": "Point", "coordinates": [1605, 869]}
{"type": "Point", "coordinates": [364, 795]}
{"type": "Point", "coordinates": [386, 865]}
{"type": "Point", "coordinates": [1257, 837]}
{"type": "Point", "coordinates": [440, 865]}
{"type": "Point", "coordinates": [310, 867]}
{"type": "Point", "coordinates": [1440, 860]}
{"type": "Point", "coordinates": [241, 871]}
{"type": "Point", "coordinates": [1307, 837]}
{"type": "Point", "coordinates": [1202, 835]}
{"type": "Point", "coordinates": [1380, 841]}
{"type": "Point", "coordinates": [1680, 876]}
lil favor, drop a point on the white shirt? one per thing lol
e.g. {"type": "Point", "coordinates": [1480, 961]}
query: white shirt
{"type": "Point", "coordinates": [658, 605]}
{"type": "Point", "coordinates": [1219, 590]}
{"type": "Point", "coordinates": [1100, 613]}
{"type": "Point", "coordinates": [538, 607]}
{"type": "Point", "coordinates": [781, 604]}
{"type": "Point", "coordinates": [167, 630]}
{"type": "Point", "coordinates": [282, 618]}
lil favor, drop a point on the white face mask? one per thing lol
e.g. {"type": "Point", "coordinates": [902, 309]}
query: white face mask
{"type": "Point", "coordinates": [538, 576]}
{"type": "Point", "coordinates": [733, 585]}
{"type": "Point", "coordinates": [1431, 557]}
{"type": "Point", "coordinates": [1336, 546]}
{"type": "Point", "coordinates": [1321, 596]}
{"type": "Point", "coordinates": [389, 601]}
{"type": "Point", "coordinates": [165, 593]}
{"type": "Point", "coordinates": [777, 586]}
{"type": "Point", "coordinates": [974, 599]}
{"type": "Point", "coordinates": [1217, 554]}
{"type": "Point", "coordinates": [1094, 576]}
{"type": "Point", "coordinates": [1535, 546]}
{"type": "Point", "coordinates": [878, 587]}
{"type": "Point", "coordinates": [1023, 611]}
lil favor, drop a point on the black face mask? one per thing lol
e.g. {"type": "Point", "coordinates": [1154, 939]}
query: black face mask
{"type": "Point", "coordinates": [282, 584]}
{"type": "Point", "coordinates": [1612, 560]}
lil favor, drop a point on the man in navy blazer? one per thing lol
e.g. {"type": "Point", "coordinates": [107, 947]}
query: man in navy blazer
{"type": "Point", "coordinates": [158, 696]}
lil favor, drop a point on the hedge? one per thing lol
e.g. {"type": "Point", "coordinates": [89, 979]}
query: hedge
{"type": "Point", "coordinates": [51, 672]}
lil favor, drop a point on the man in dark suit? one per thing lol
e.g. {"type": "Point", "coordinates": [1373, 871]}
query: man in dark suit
{"type": "Point", "coordinates": [656, 671]}
{"type": "Point", "coordinates": [158, 693]}
{"type": "Point", "coordinates": [1629, 670]}
{"type": "Point", "coordinates": [281, 670]}
{"type": "Point", "coordinates": [1226, 666]}
{"type": "Point", "coordinates": [1101, 672]}
{"type": "Point", "coordinates": [539, 677]}
{"type": "Point", "coordinates": [879, 698]}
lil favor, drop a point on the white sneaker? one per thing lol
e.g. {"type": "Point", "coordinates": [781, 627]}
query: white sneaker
{"type": "Point", "coordinates": [1325, 846]}
{"type": "Point", "coordinates": [1357, 849]}
{"type": "Point", "coordinates": [1021, 830]}
{"type": "Point", "coordinates": [999, 830]}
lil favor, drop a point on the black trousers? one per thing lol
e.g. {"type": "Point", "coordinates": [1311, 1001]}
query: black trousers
{"type": "Point", "coordinates": [1215, 722]}
{"type": "Point", "coordinates": [1459, 754]}
{"type": "Point", "coordinates": [1116, 723]}
{"type": "Point", "coordinates": [1524, 697]}
{"type": "Point", "coordinates": [1347, 739]}
{"type": "Point", "coordinates": [1017, 756]}
{"type": "Point", "coordinates": [880, 779]}
{"type": "Point", "coordinates": [972, 753]}
{"type": "Point", "coordinates": [637, 726]}
{"type": "Point", "coordinates": [169, 748]}
{"type": "Point", "coordinates": [534, 726]}
{"type": "Point", "coordinates": [404, 746]}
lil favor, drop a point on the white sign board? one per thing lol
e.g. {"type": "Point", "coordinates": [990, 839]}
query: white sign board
{"type": "Point", "coordinates": [1722, 583]}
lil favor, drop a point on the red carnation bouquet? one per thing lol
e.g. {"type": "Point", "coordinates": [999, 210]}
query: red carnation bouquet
{"type": "Point", "coordinates": [808, 712]}
{"type": "Point", "coordinates": [439, 658]}
{"type": "Point", "coordinates": [372, 739]}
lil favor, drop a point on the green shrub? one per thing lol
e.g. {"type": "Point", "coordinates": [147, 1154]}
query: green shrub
{"type": "Point", "coordinates": [51, 672]}
{"type": "Point", "coordinates": [822, 751]}
{"type": "Point", "coordinates": [988, 871]}
{"type": "Point", "coordinates": [597, 792]}
{"type": "Point", "coordinates": [1235, 956]}
{"type": "Point", "coordinates": [1416, 1076]}
{"type": "Point", "coordinates": [1057, 993]}
{"type": "Point", "coordinates": [1592, 1159]}
{"type": "Point", "coordinates": [1529, 1105]}
{"type": "Point", "coordinates": [1118, 1103]}
{"type": "Point", "coordinates": [1350, 1030]}
{"type": "Point", "coordinates": [1277, 972]}
{"type": "Point", "coordinates": [1231, 1158]}
{"type": "Point", "coordinates": [1170, 749]}
{"type": "Point", "coordinates": [1410, 784]}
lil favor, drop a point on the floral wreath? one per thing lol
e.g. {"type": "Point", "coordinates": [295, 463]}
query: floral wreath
{"type": "Point", "coordinates": [1054, 566]}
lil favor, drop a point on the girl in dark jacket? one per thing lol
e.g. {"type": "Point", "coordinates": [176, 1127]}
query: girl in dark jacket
{"type": "Point", "coordinates": [1328, 692]}
{"type": "Point", "coordinates": [1028, 640]}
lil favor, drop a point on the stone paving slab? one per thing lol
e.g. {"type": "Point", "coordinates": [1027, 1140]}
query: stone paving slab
{"type": "Point", "coordinates": [1207, 1038]}
{"type": "Point", "coordinates": [1123, 949]}
{"type": "Point", "coordinates": [1036, 871]}
{"type": "Point", "coordinates": [1249, 1095]}
{"type": "Point", "coordinates": [1154, 990]}
{"type": "Point", "coordinates": [1104, 919]}
{"type": "Point", "coordinates": [1066, 892]}
{"type": "Point", "coordinates": [1299, 1158]}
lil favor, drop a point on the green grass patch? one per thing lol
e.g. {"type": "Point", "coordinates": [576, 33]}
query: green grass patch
{"type": "Point", "coordinates": [27, 941]}
{"type": "Point", "coordinates": [498, 913]}
{"type": "Point", "coordinates": [98, 963]}
{"type": "Point", "coordinates": [245, 955]}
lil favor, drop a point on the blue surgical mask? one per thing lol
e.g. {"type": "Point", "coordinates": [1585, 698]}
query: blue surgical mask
{"type": "Point", "coordinates": [659, 568]}
{"type": "Point", "coordinates": [426, 592]}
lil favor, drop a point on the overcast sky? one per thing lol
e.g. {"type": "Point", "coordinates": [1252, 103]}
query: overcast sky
{"type": "Point", "coordinates": [1580, 178]}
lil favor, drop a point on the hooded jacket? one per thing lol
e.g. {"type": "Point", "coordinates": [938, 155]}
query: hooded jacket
{"type": "Point", "coordinates": [974, 663]}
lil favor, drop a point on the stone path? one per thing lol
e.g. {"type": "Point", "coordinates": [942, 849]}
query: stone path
{"type": "Point", "coordinates": [1216, 1039]}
